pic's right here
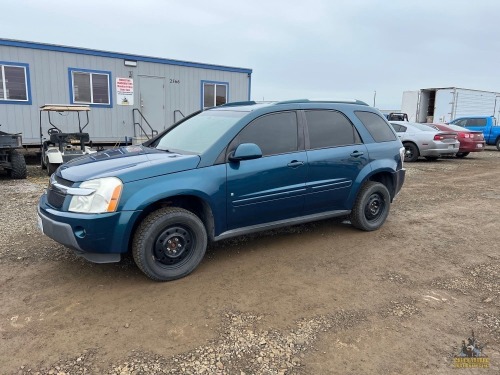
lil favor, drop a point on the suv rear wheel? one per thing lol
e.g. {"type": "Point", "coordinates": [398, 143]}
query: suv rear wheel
{"type": "Point", "coordinates": [371, 207]}
{"type": "Point", "coordinates": [169, 244]}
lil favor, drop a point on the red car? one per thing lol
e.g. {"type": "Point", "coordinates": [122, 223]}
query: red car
{"type": "Point", "coordinates": [470, 141]}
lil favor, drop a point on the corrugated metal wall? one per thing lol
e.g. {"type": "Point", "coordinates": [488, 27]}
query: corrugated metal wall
{"type": "Point", "coordinates": [469, 102]}
{"type": "Point", "coordinates": [49, 85]}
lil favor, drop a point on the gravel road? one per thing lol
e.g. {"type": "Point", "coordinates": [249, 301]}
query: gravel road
{"type": "Point", "coordinates": [320, 298]}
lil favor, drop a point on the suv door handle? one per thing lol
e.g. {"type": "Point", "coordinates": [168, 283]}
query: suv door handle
{"type": "Point", "coordinates": [356, 154]}
{"type": "Point", "coordinates": [295, 164]}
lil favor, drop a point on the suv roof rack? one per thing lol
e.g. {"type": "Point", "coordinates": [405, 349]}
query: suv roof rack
{"type": "Point", "coordinates": [346, 101]}
{"type": "Point", "coordinates": [235, 104]}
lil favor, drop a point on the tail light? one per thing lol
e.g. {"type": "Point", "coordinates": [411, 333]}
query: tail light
{"type": "Point", "coordinates": [441, 136]}
{"type": "Point", "coordinates": [465, 135]}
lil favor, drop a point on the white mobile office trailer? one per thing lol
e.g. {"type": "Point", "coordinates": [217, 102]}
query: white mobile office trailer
{"type": "Point", "coordinates": [126, 92]}
{"type": "Point", "coordinates": [444, 104]}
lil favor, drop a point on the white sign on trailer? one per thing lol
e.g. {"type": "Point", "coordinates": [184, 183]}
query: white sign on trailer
{"type": "Point", "coordinates": [124, 91]}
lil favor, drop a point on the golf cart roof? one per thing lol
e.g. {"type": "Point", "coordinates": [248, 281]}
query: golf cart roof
{"type": "Point", "coordinates": [65, 107]}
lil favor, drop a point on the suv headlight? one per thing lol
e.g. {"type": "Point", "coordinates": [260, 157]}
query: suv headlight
{"type": "Point", "coordinates": [97, 196]}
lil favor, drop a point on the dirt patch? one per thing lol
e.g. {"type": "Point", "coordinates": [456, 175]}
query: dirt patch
{"type": "Point", "coordinates": [319, 298]}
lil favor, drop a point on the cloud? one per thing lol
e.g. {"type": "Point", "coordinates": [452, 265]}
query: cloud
{"type": "Point", "coordinates": [316, 48]}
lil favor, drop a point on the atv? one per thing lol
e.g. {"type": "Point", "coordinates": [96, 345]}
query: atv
{"type": "Point", "coordinates": [10, 159]}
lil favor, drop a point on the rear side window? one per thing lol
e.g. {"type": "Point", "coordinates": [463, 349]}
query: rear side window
{"type": "Point", "coordinates": [398, 128]}
{"type": "Point", "coordinates": [476, 122]}
{"type": "Point", "coordinates": [376, 126]}
{"type": "Point", "coordinates": [276, 133]}
{"type": "Point", "coordinates": [330, 129]}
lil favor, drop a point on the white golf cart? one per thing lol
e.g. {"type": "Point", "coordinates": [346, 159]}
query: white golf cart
{"type": "Point", "coordinates": [62, 147]}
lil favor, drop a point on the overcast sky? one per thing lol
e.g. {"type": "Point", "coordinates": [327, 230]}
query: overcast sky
{"type": "Point", "coordinates": [306, 49]}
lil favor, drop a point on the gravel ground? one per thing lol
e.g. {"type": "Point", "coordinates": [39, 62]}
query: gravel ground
{"type": "Point", "coordinates": [319, 298]}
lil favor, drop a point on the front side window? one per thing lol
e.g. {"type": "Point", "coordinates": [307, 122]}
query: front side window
{"type": "Point", "coordinates": [379, 129]}
{"type": "Point", "coordinates": [330, 129]}
{"type": "Point", "coordinates": [14, 83]}
{"type": "Point", "coordinates": [214, 93]}
{"type": "Point", "coordinates": [276, 133]}
{"type": "Point", "coordinates": [90, 87]}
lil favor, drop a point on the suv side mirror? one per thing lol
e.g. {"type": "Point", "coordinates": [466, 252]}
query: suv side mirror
{"type": "Point", "coordinates": [245, 151]}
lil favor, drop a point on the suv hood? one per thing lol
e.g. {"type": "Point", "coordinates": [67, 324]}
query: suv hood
{"type": "Point", "coordinates": [128, 163]}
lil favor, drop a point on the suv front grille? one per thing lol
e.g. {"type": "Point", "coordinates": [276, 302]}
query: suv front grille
{"type": "Point", "coordinates": [55, 198]}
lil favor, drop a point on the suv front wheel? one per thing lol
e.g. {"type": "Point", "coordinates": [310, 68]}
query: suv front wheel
{"type": "Point", "coordinates": [169, 244]}
{"type": "Point", "coordinates": [371, 207]}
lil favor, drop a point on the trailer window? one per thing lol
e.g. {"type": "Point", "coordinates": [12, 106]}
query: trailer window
{"type": "Point", "coordinates": [214, 93]}
{"type": "Point", "coordinates": [90, 87]}
{"type": "Point", "coordinates": [14, 83]}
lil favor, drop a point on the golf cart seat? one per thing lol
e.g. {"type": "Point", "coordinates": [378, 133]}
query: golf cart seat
{"type": "Point", "coordinates": [57, 138]}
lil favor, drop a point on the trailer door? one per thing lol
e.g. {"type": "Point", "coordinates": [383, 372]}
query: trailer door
{"type": "Point", "coordinates": [443, 106]}
{"type": "Point", "coordinates": [409, 105]}
{"type": "Point", "coordinates": [152, 102]}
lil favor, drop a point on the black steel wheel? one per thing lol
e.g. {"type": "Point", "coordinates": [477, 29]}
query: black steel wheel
{"type": "Point", "coordinates": [411, 152]}
{"type": "Point", "coordinates": [497, 144]}
{"type": "Point", "coordinates": [371, 207]}
{"type": "Point", "coordinates": [169, 244]}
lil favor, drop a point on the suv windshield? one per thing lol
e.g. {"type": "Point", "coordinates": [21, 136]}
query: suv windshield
{"type": "Point", "coordinates": [197, 134]}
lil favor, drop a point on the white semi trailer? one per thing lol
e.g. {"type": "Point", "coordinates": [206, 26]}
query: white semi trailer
{"type": "Point", "coordinates": [444, 104]}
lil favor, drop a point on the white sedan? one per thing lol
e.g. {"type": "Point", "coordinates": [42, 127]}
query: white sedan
{"type": "Point", "coordinates": [423, 140]}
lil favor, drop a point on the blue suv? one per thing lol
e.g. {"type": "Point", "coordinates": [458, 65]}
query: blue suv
{"type": "Point", "coordinates": [230, 170]}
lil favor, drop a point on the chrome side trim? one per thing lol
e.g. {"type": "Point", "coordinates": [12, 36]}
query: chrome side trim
{"type": "Point", "coordinates": [73, 191]}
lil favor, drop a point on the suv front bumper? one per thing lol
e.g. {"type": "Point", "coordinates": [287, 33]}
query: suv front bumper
{"type": "Point", "coordinates": [99, 238]}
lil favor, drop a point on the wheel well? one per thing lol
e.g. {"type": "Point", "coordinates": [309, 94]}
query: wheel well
{"type": "Point", "coordinates": [410, 142]}
{"type": "Point", "coordinates": [190, 203]}
{"type": "Point", "coordinates": [386, 179]}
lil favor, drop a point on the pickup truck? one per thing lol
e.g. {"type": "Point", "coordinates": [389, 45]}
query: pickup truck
{"type": "Point", "coordinates": [487, 124]}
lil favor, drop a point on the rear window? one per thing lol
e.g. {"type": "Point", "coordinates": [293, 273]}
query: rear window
{"type": "Point", "coordinates": [379, 129]}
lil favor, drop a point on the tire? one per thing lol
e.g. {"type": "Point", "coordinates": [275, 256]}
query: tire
{"type": "Point", "coordinates": [497, 144]}
{"type": "Point", "coordinates": [462, 154]}
{"type": "Point", "coordinates": [153, 245]}
{"type": "Point", "coordinates": [411, 152]}
{"type": "Point", "coordinates": [371, 207]}
{"type": "Point", "coordinates": [432, 158]}
{"type": "Point", "coordinates": [42, 164]}
{"type": "Point", "coordinates": [51, 168]}
{"type": "Point", "coordinates": [18, 170]}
